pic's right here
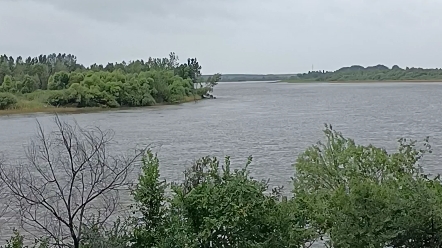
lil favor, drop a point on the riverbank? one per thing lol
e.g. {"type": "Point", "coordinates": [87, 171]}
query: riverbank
{"type": "Point", "coordinates": [32, 107]}
{"type": "Point", "coordinates": [363, 81]}
{"type": "Point", "coordinates": [296, 81]}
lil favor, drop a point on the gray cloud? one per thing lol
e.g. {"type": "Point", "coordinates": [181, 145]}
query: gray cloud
{"type": "Point", "coordinates": [229, 36]}
{"type": "Point", "coordinates": [124, 10]}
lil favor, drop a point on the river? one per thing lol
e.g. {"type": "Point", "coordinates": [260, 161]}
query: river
{"type": "Point", "coordinates": [273, 122]}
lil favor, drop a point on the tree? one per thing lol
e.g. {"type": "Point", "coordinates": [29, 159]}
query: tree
{"type": "Point", "coordinates": [212, 81]}
{"type": "Point", "coordinates": [8, 85]}
{"type": "Point", "coordinates": [42, 72]}
{"type": "Point", "coordinates": [214, 207]}
{"type": "Point", "coordinates": [68, 183]}
{"type": "Point", "coordinates": [173, 61]}
{"type": "Point", "coordinates": [150, 203]}
{"type": "Point", "coordinates": [194, 70]}
{"type": "Point", "coordinates": [4, 70]}
{"type": "Point", "coordinates": [7, 100]}
{"type": "Point", "coordinates": [362, 196]}
{"type": "Point", "coordinates": [59, 81]}
{"type": "Point", "coordinates": [28, 85]}
{"type": "Point", "coordinates": [4, 194]}
{"type": "Point", "coordinates": [226, 208]}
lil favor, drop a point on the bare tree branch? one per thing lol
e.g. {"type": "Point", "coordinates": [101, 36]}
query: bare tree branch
{"type": "Point", "coordinates": [5, 206]}
{"type": "Point", "coordinates": [68, 180]}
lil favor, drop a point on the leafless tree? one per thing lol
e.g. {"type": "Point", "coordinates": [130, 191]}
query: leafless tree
{"type": "Point", "coordinates": [4, 203]}
{"type": "Point", "coordinates": [69, 181]}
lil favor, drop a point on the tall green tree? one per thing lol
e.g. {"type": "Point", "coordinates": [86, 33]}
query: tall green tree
{"type": "Point", "coordinates": [362, 196]}
{"type": "Point", "coordinates": [4, 71]}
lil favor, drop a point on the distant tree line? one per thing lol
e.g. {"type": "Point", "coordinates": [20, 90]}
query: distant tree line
{"type": "Point", "coordinates": [372, 73]}
{"type": "Point", "coordinates": [252, 77]}
{"type": "Point", "coordinates": [59, 80]}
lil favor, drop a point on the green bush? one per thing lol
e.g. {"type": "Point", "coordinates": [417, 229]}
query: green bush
{"type": "Point", "coordinates": [38, 95]}
{"type": "Point", "coordinates": [362, 196]}
{"type": "Point", "coordinates": [7, 100]}
{"type": "Point", "coordinates": [60, 98]}
{"type": "Point", "coordinates": [215, 206]}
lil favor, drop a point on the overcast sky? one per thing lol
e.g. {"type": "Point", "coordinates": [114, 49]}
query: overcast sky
{"type": "Point", "coordinates": [229, 36]}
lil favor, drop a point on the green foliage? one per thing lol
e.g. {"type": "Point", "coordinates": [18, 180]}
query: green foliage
{"type": "Point", "coordinates": [5, 70]}
{"type": "Point", "coordinates": [9, 85]}
{"type": "Point", "coordinates": [7, 100]}
{"type": "Point", "coordinates": [28, 85]}
{"type": "Point", "coordinates": [212, 81]}
{"type": "Point", "coordinates": [225, 207]}
{"type": "Point", "coordinates": [17, 241]}
{"type": "Point", "coordinates": [150, 200]}
{"type": "Point", "coordinates": [214, 206]}
{"type": "Point", "coordinates": [60, 98]}
{"type": "Point", "coordinates": [97, 236]}
{"type": "Point", "coordinates": [58, 81]}
{"type": "Point", "coordinates": [137, 83]}
{"type": "Point", "coordinates": [362, 196]}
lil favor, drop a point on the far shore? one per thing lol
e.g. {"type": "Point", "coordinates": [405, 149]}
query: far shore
{"type": "Point", "coordinates": [364, 81]}
{"type": "Point", "coordinates": [388, 81]}
{"type": "Point", "coordinates": [73, 110]}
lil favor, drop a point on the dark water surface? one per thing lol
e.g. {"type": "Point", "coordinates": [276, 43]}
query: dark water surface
{"type": "Point", "coordinates": [274, 122]}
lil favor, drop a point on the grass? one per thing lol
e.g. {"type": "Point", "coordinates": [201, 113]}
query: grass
{"type": "Point", "coordinates": [25, 106]}
{"type": "Point", "coordinates": [191, 98]}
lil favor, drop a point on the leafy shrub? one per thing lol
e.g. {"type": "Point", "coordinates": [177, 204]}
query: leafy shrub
{"type": "Point", "coordinates": [96, 235]}
{"type": "Point", "coordinates": [362, 196]}
{"type": "Point", "coordinates": [58, 81]}
{"type": "Point", "coordinates": [214, 206]}
{"type": "Point", "coordinates": [17, 241]}
{"type": "Point", "coordinates": [7, 100]}
{"type": "Point", "coordinates": [60, 98]}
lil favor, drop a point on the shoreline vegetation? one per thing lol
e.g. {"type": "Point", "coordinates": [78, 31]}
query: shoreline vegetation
{"type": "Point", "coordinates": [344, 195]}
{"type": "Point", "coordinates": [378, 73]}
{"type": "Point", "coordinates": [361, 81]}
{"type": "Point", "coordinates": [57, 83]}
{"type": "Point", "coordinates": [352, 74]}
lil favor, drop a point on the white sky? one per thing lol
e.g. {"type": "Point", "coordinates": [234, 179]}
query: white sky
{"type": "Point", "coordinates": [229, 36]}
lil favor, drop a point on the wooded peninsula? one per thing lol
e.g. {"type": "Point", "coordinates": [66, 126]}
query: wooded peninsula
{"type": "Point", "coordinates": [58, 80]}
